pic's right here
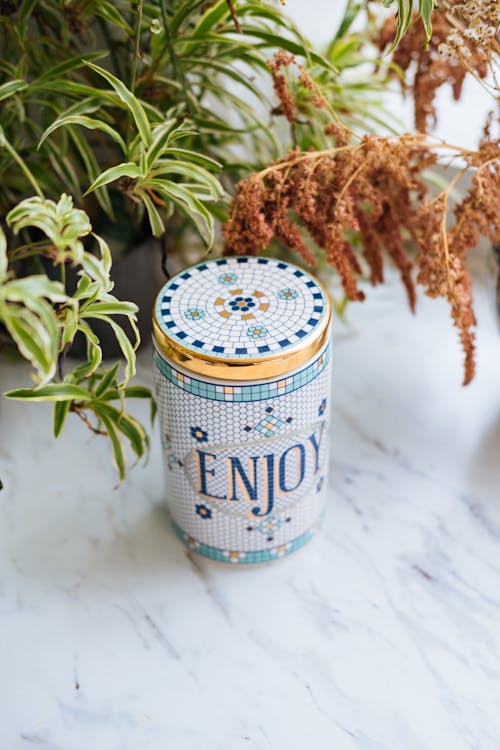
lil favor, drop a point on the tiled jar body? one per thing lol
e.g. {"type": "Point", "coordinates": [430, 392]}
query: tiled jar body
{"type": "Point", "coordinates": [246, 459]}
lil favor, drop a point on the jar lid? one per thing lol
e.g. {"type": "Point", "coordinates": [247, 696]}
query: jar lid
{"type": "Point", "coordinates": [242, 318]}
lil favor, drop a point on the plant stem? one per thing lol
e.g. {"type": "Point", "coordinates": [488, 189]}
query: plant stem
{"type": "Point", "coordinates": [137, 41]}
{"type": "Point", "coordinates": [76, 410]}
{"type": "Point", "coordinates": [25, 251]}
{"type": "Point", "coordinates": [444, 221]}
{"type": "Point", "coordinates": [234, 16]}
{"type": "Point", "coordinates": [304, 157]}
{"type": "Point", "coordinates": [350, 180]}
{"type": "Point", "coordinates": [415, 139]}
{"type": "Point", "coordinates": [12, 151]}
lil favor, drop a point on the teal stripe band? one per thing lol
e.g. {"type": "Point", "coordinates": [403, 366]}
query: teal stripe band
{"type": "Point", "coordinates": [235, 393]}
{"type": "Point", "coordinates": [247, 557]}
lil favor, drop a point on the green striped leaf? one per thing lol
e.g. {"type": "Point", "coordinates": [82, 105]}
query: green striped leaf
{"type": "Point", "coordinates": [128, 169]}
{"type": "Point", "coordinates": [131, 102]}
{"type": "Point", "coordinates": [404, 14]}
{"type": "Point", "coordinates": [87, 122]}
{"type": "Point", "coordinates": [116, 443]}
{"type": "Point", "coordinates": [105, 253]}
{"type": "Point", "coordinates": [106, 380]}
{"type": "Point", "coordinates": [94, 351]}
{"type": "Point", "coordinates": [51, 392]}
{"type": "Point", "coordinates": [161, 134]}
{"type": "Point", "coordinates": [193, 173]}
{"type": "Point", "coordinates": [210, 18]}
{"type": "Point", "coordinates": [155, 220]}
{"type": "Point", "coordinates": [66, 66]}
{"type": "Point", "coordinates": [108, 11]}
{"type": "Point", "coordinates": [31, 338]}
{"type": "Point", "coordinates": [127, 425]}
{"type": "Point", "coordinates": [96, 270]}
{"type": "Point", "coordinates": [189, 204]}
{"type": "Point", "coordinates": [425, 8]}
{"type": "Point", "coordinates": [12, 87]}
{"type": "Point", "coordinates": [128, 350]}
{"type": "Point", "coordinates": [114, 308]}
{"type": "Point", "coordinates": [61, 409]}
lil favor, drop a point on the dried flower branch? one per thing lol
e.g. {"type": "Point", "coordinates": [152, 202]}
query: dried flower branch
{"type": "Point", "coordinates": [451, 54]}
{"type": "Point", "coordinates": [287, 105]}
{"type": "Point", "coordinates": [474, 22]}
{"type": "Point", "coordinates": [374, 190]}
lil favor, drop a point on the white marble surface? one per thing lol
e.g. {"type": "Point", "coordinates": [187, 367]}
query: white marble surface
{"type": "Point", "coordinates": [382, 634]}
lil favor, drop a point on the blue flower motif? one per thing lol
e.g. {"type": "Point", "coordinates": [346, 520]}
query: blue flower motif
{"type": "Point", "coordinates": [241, 304]}
{"type": "Point", "coordinates": [322, 408]}
{"type": "Point", "coordinates": [203, 511]}
{"type": "Point", "coordinates": [287, 294]}
{"type": "Point", "coordinates": [228, 278]}
{"type": "Point", "coordinates": [199, 435]}
{"type": "Point", "coordinates": [257, 332]}
{"type": "Point", "coordinates": [194, 313]}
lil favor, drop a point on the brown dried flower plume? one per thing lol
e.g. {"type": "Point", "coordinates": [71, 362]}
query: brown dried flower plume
{"type": "Point", "coordinates": [463, 42]}
{"type": "Point", "coordinates": [287, 105]}
{"type": "Point", "coordinates": [372, 188]}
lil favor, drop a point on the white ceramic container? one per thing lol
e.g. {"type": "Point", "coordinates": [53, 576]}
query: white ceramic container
{"type": "Point", "coordinates": [242, 365]}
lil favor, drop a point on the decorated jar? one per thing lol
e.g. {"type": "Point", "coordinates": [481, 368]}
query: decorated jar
{"type": "Point", "coordinates": [242, 368]}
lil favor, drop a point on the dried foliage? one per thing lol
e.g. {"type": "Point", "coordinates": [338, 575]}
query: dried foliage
{"type": "Point", "coordinates": [447, 59]}
{"type": "Point", "coordinates": [287, 106]}
{"type": "Point", "coordinates": [373, 189]}
{"type": "Point", "coordinates": [476, 27]}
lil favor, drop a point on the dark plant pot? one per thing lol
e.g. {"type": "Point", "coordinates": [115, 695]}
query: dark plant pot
{"type": "Point", "coordinates": [495, 279]}
{"type": "Point", "coordinates": [138, 277]}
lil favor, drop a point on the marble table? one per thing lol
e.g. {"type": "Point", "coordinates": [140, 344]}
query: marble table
{"type": "Point", "coordinates": [381, 634]}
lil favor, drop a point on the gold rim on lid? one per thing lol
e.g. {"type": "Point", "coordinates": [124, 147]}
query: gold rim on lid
{"type": "Point", "coordinates": [226, 295]}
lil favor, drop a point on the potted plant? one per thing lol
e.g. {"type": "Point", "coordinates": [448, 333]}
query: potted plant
{"type": "Point", "coordinates": [148, 116]}
{"type": "Point", "coordinates": [114, 128]}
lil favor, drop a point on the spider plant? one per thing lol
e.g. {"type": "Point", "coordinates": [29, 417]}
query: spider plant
{"type": "Point", "coordinates": [145, 114]}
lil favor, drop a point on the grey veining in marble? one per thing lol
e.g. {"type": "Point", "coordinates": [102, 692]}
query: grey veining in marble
{"type": "Point", "coordinates": [382, 634]}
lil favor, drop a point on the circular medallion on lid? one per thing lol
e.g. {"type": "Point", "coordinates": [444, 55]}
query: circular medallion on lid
{"type": "Point", "coordinates": [241, 311]}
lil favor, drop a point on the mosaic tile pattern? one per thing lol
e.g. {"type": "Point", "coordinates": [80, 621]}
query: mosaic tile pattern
{"type": "Point", "coordinates": [250, 556]}
{"type": "Point", "coordinates": [245, 461]}
{"type": "Point", "coordinates": [242, 392]}
{"type": "Point", "coordinates": [241, 308]}
{"type": "Point", "coordinates": [245, 479]}
{"type": "Point", "coordinates": [269, 425]}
